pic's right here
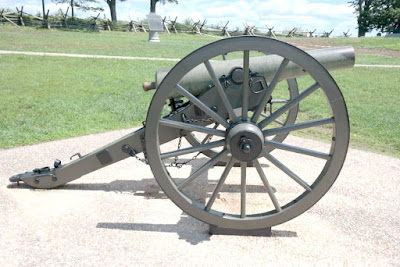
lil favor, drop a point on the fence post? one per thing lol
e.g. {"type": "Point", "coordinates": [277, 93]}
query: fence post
{"type": "Point", "coordinates": [165, 24]}
{"type": "Point", "coordinates": [346, 34]}
{"type": "Point", "coordinates": [65, 18]}
{"type": "Point", "coordinates": [202, 25]}
{"type": "Point", "coordinates": [225, 30]}
{"type": "Point", "coordinates": [195, 27]}
{"type": "Point", "coordinates": [133, 28]}
{"type": "Point", "coordinates": [141, 26]}
{"type": "Point", "coordinates": [270, 32]}
{"type": "Point", "coordinates": [292, 33]}
{"type": "Point", "coordinates": [173, 25]}
{"type": "Point", "coordinates": [20, 19]}
{"type": "Point", "coordinates": [327, 34]}
{"type": "Point", "coordinates": [94, 24]}
{"type": "Point", "coordinates": [46, 22]}
{"type": "Point", "coordinates": [107, 22]}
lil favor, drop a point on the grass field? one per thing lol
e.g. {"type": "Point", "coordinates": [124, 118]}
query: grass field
{"type": "Point", "coordinates": [49, 98]}
{"type": "Point", "coordinates": [103, 43]}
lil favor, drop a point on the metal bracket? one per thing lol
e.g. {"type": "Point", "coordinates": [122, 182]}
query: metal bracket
{"type": "Point", "coordinates": [41, 170]}
{"type": "Point", "coordinates": [143, 143]}
{"type": "Point", "coordinates": [76, 154]}
{"type": "Point", "coordinates": [129, 150]}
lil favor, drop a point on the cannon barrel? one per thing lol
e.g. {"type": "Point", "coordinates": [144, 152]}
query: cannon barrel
{"type": "Point", "coordinates": [198, 79]}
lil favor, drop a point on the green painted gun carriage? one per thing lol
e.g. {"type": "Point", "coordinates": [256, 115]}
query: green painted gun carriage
{"type": "Point", "coordinates": [219, 126]}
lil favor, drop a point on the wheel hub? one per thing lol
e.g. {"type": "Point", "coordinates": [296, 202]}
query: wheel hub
{"type": "Point", "coordinates": [245, 141]}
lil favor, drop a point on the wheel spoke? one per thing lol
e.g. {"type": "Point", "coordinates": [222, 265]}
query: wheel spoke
{"type": "Point", "coordinates": [202, 106]}
{"type": "Point", "coordinates": [286, 170]}
{"type": "Point", "coordinates": [199, 148]}
{"type": "Point", "coordinates": [220, 183]}
{"type": "Point", "coordinates": [279, 101]}
{"type": "Point", "coordinates": [289, 105]}
{"type": "Point", "coordinates": [298, 126]}
{"type": "Point", "coordinates": [264, 179]}
{"type": "Point", "coordinates": [246, 86]}
{"type": "Point", "coordinates": [221, 91]}
{"type": "Point", "coordinates": [243, 166]}
{"type": "Point", "coordinates": [202, 169]}
{"type": "Point", "coordinates": [276, 120]}
{"type": "Point", "coordinates": [298, 150]}
{"type": "Point", "coordinates": [270, 89]}
{"type": "Point", "coordinates": [205, 139]}
{"type": "Point", "coordinates": [279, 122]}
{"type": "Point", "coordinates": [191, 127]}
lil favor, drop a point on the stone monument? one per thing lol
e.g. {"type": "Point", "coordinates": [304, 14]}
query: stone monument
{"type": "Point", "coordinates": [155, 26]}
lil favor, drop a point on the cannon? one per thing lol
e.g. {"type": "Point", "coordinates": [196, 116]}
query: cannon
{"type": "Point", "coordinates": [232, 110]}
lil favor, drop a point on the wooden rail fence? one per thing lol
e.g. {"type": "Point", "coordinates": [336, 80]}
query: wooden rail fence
{"type": "Point", "coordinates": [19, 18]}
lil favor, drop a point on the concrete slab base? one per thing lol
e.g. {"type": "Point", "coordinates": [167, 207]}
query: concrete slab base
{"type": "Point", "coordinates": [215, 230]}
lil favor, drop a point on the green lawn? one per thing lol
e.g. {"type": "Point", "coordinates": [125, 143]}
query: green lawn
{"type": "Point", "coordinates": [372, 98]}
{"type": "Point", "coordinates": [375, 43]}
{"type": "Point", "coordinates": [135, 44]}
{"type": "Point", "coordinates": [48, 98]}
{"type": "Point", "coordinates": [99, 43]}
{"type": "Point", "coordinates": [373, 59]}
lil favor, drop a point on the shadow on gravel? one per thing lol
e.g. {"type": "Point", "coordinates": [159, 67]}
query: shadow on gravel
{"type": "Point", "coordinates": [147, 188]}
{"type": "Point", "coordinates": [188, 229]}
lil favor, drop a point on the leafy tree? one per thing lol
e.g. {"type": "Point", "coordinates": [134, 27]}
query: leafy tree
{"type": "Point", "coordinates": [113, 10]}
{"type": "Point", "coordinates": [84, 5]}
{"type": "Point", "coordinates": [375, 14]}
{"type": "Point", "coordinates": [384, 12]}
{"type": "Point", "coordinates": [363, 11]}
{"type": "Point", "coordinates": [154, 2]}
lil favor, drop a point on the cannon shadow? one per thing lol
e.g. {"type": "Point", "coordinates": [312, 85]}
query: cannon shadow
{"type": "Point", "coordinates": [188, 228]}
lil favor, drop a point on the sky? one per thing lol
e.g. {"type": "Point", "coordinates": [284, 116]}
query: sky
{"type": "Point", "coordinates": [306, 15]}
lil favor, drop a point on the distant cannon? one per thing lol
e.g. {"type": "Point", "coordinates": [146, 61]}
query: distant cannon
{"type": "Point", "coordinates": [231, 119]}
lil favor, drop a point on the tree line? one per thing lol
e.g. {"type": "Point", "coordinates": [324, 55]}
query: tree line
{"type": "Point", "coordinates": [376, 14]}
{"type": "Point", "coordinates": [90, 5]}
